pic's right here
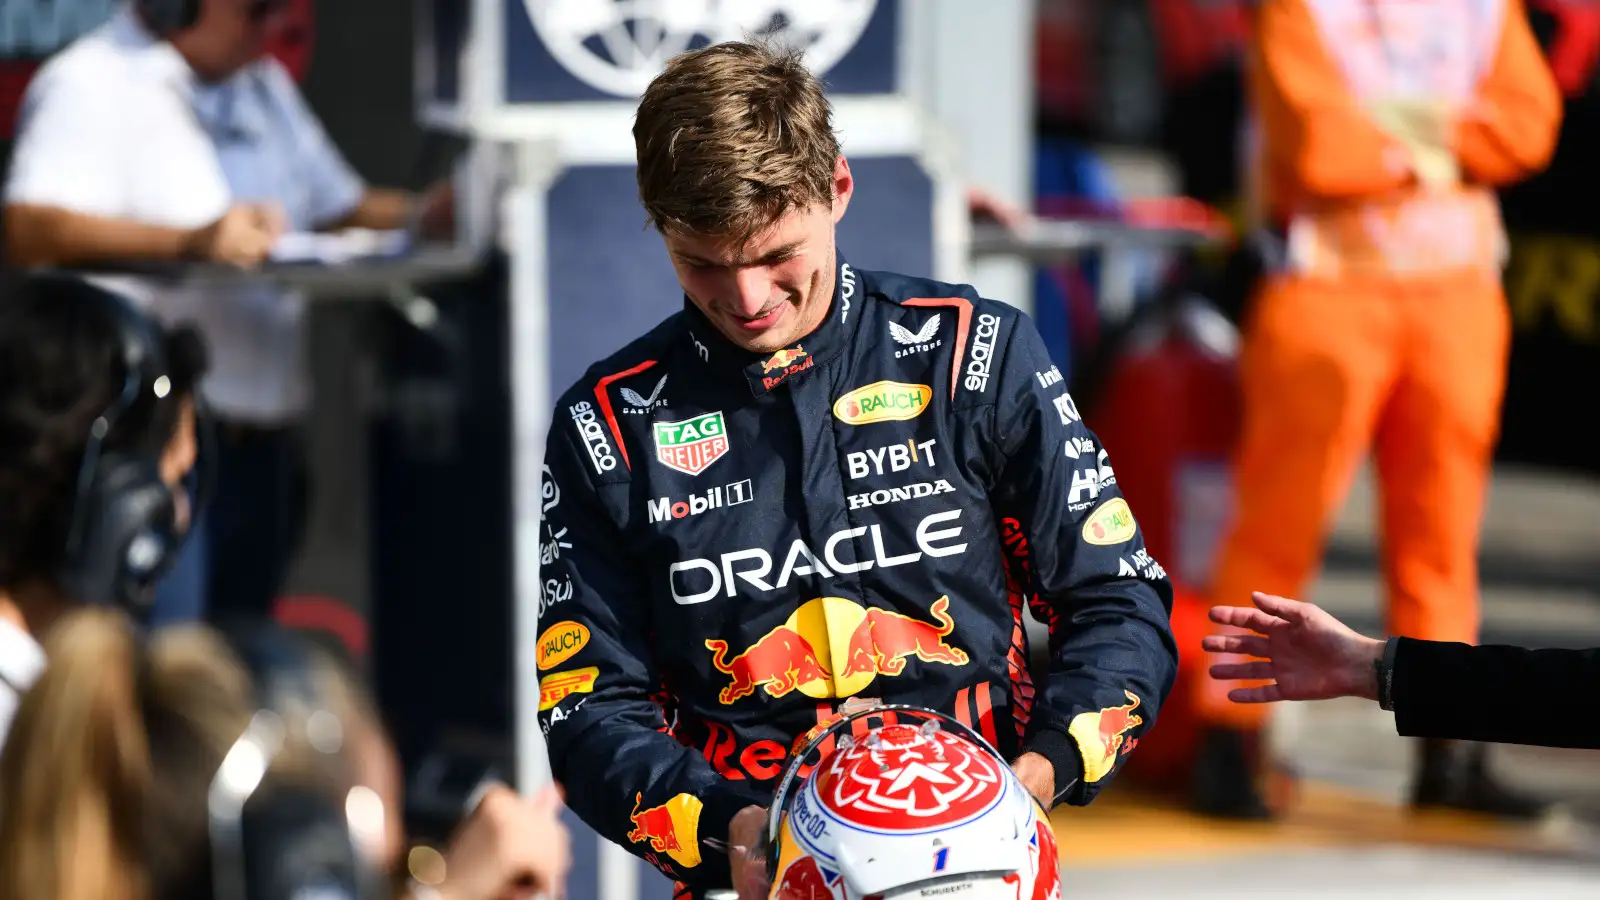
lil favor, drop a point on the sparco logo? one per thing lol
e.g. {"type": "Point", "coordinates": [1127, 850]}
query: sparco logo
{"type": "Point", "coordinates": [896, 495]}
{"type": "Point", "coordinates": [982, 353]}
{"type": "Point", "coordinates": [617, 46]}
{"type": "Point", "coordinates": [699, 580]}
{"type": "Point", "coordinates": [594, 437]}
{"type": "Point", "coordinates": [728, 495]}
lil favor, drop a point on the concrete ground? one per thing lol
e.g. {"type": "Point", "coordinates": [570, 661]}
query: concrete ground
{"type": "Point", "coordinates": [1349, 834]}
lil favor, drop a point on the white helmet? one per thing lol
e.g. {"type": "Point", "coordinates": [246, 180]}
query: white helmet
{"type": "Point", "coordinates": [927, 811]}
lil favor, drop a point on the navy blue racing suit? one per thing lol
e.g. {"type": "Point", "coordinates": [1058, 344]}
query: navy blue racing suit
{"type": "Point", "coordinates": [733, 544]}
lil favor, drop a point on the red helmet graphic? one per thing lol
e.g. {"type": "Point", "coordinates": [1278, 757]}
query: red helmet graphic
{"type": "Point", "coordinates": [904, 809]}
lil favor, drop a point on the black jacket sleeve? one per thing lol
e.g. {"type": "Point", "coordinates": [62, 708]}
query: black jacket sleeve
{"type": "Point", "coordinates": [1506, 695]}
{"type": "Point", "coordinates": [1106, 603]}
{"type": "Point", "coordinates": [609, 740]}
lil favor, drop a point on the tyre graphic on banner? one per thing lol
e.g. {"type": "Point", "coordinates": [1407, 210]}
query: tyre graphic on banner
{"type": "Point", "coordinates": [617, 46]}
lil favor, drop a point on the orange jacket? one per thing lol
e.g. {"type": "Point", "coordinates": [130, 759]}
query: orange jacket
{"type": "Point", "coordinates": [1315, 63]}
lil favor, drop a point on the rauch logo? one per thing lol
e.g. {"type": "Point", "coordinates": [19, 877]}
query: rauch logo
{"type": "Point", "coordinates": [883, 401]}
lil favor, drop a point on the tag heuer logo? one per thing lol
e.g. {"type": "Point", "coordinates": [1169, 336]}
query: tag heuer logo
{"type": "Point", "coordinates": [692, 445]}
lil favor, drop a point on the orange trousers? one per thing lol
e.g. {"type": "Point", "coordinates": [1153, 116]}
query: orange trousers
{"type": "Point", "coordinates": [1411, 370]}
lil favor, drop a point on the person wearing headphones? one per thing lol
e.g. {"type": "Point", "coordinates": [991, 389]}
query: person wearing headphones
{"type": "Point", "coordinates": [169, 134]}
{"type": "Point", "coordinates": [97, 433]}
{"type": "Point", "coordinates": [196, 764]}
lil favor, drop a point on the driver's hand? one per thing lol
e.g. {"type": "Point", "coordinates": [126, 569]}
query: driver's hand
{"type": "Point", "coordinates": [509, 846]}
{"type": "Point", "coordinates": [1038, 776]}
{"type": "Point", "coordinates": [746, 853]}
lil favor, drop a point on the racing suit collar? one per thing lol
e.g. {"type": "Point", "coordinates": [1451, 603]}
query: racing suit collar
{"type": "Point", "coordinates": [765, 371]}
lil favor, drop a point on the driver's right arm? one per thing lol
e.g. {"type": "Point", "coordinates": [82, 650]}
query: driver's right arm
{"type": "Point", "coordinates": [612, 748]}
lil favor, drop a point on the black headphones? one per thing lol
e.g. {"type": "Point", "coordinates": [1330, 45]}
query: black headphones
{"type": "Point", "coordinates": [288, 842]}
{"type": "Point", "coordinates": [165, 17]}
{"type": "Point", "coordinates": [122, 535]}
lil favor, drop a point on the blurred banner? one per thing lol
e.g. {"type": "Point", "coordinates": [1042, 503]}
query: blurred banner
{"type": "Point", "coordinates": [1553, 280]}
{"type": "Point", "coordinates": [1166, 75]}
{"type": "Point", "coordinates": [553, 56]}
{"type": "Point", "coordinates": [32, 30]}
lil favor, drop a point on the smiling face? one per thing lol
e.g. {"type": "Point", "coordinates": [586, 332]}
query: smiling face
{"type": "Point", "coordinates": [767, 292]}
{"type": "Point", "coordinates": [740, 171]}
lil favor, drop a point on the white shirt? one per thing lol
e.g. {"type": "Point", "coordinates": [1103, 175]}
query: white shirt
{"type": "Point", "coordinates": [21, 664]}
{"type": "Point", "coordinates": [117, 125]}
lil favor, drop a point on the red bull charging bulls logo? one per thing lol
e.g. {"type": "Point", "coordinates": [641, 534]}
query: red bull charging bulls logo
{"type": "Point", "coordinates": [833, 647]}
{"type": "Point", "coordinates": [1102, 735]}
{"type": "Point", "coordinates": [780, 662]}
{"type": "Point", "coordinates": [783, 359]}
{"type": "Point", "coordinates": [786, 362]}
{"type": "Point", "coordinates": [669, 828]}
{"type": "Point", "coordinates": [884, 639]}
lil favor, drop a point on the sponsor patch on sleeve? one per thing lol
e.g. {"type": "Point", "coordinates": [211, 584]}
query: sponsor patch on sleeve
{"type": "Point", "coordinates": [1103, 736]}
{"type": "Point", "coordinates": [560, 642]}
{"type": "Point", "coordinates": [672, 828]}
{"type": "Point", "coordinates": [1112, 523]}
{"type": "Point", "coordinates": [558, 686]}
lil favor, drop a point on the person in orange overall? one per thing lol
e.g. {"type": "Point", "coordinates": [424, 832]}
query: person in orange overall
{"type": "Point", "coordinates": [1382, 129]}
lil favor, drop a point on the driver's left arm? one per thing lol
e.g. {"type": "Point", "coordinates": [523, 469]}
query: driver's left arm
{"type": "Point", "coordinates": [1106, 603]}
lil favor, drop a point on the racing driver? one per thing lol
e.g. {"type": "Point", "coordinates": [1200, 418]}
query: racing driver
{"type": "Point", "coordinates": [817, 483]}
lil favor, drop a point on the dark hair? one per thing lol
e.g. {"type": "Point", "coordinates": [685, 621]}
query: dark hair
{"type": "Point", "coordinates": [61, 367]}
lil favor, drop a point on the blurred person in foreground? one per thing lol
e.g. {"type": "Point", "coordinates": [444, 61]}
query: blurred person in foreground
{"type": "Point", "coordinates": [105, 779]}
{"type": "Point", "coordinates": [170, 135]}
{"type": "Point", "coordinates": [1384, 127]}
{"type": "Point", "coordinates": [815, 483]}
{"type": "Point", "coordinates": [97, 436]}
{"type": "Point", "coordinates": [1436, 689]}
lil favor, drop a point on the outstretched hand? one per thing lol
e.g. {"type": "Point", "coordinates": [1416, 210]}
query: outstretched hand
{"type": "Point", "coordinates": [1304, 652]}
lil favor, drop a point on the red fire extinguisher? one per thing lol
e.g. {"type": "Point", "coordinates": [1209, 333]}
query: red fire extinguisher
{"type": "Point", "coordinates": [1167, 413]}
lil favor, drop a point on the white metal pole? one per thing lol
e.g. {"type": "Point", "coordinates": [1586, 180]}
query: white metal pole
{"type": "Point", "coordinates": [525, 243]}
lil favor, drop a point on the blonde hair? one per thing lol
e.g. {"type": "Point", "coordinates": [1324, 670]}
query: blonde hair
{"type": "Point", "coordinates": [731, 137]}
{"type": "Point", "coordinates": [104, 777]}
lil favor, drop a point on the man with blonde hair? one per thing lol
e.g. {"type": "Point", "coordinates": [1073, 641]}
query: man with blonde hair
{"type": "Point", "coordinates": [817, 483]}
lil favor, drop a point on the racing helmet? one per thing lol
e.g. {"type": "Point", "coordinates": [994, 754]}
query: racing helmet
{"type": "Point", "coordinates": [923, 810]}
